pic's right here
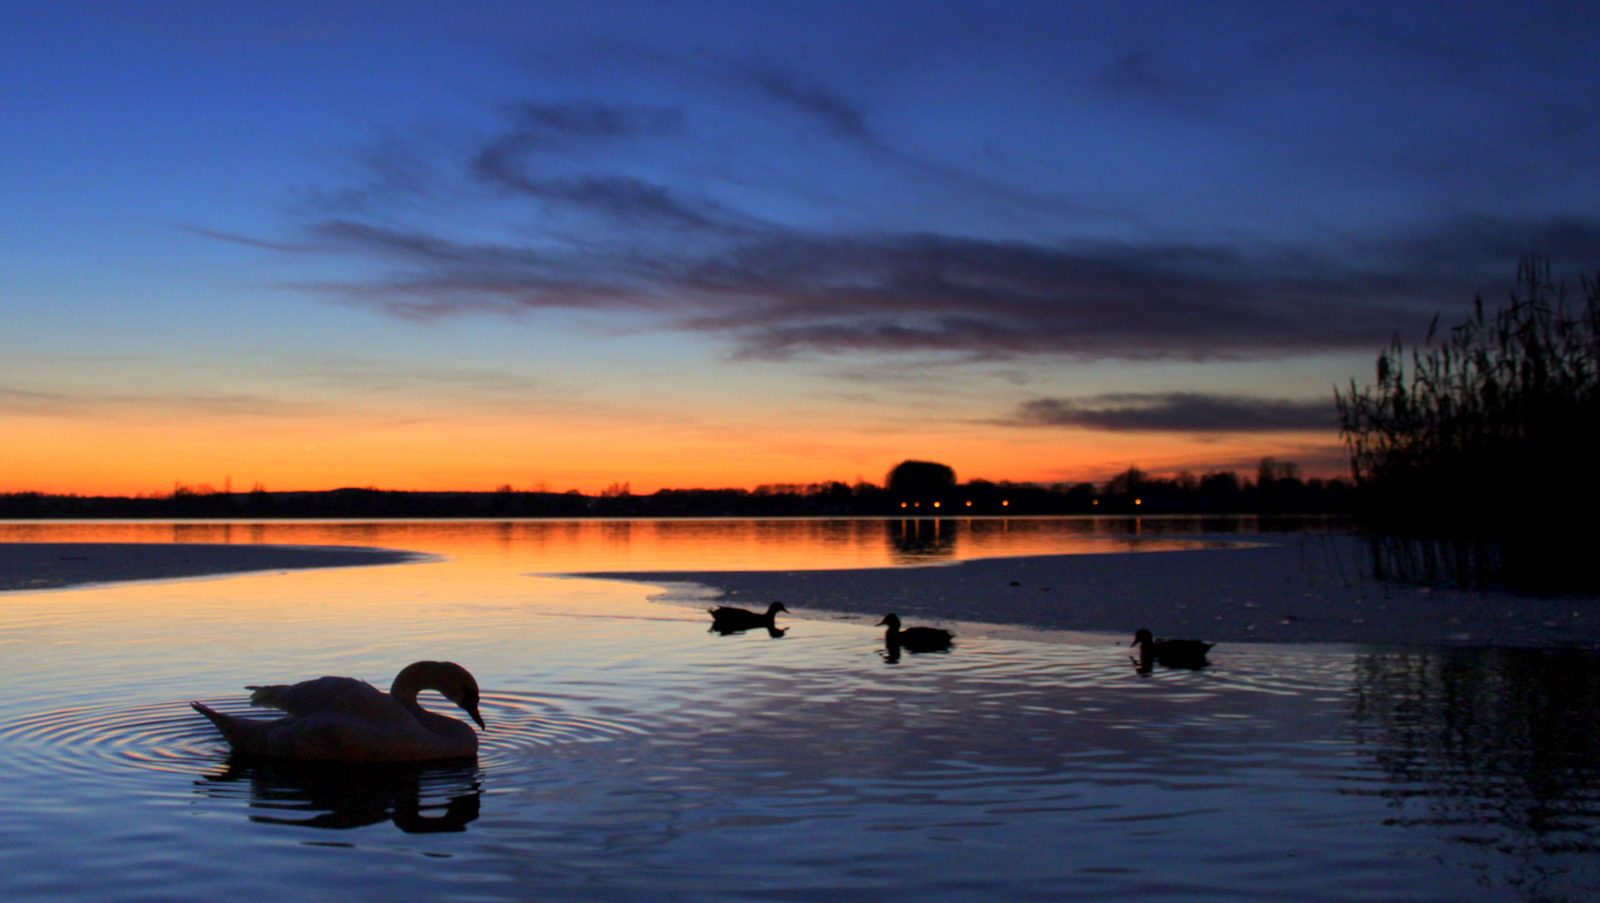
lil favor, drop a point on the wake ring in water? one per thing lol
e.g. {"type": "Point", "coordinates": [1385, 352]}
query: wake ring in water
{"type": "Point", "coordinates": [518, 723]}
{"type": "Point", "coordinates": [170, 737]}
{"type": "Point", "coordinates": [164, 737]}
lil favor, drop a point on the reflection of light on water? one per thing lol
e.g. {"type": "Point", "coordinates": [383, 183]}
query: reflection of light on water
{"type": "Point", "coordinates": [630, 754]}
{"type": "Point", "coordinates": [562, 546]}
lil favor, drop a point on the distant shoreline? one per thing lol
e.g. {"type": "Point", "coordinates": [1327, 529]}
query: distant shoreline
{"type": "Point", "coordinates": [975, 498]}
{"type": "Point", "coordinates": [57, 565]}
{"type": "Point", "coordinates": [1292, 588]}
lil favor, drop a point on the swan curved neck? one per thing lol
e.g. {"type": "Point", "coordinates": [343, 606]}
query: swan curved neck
{"type": "Point", "coordinates": [412, 680]}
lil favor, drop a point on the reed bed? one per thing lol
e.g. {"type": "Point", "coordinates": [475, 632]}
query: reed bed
{"type": "Point", "coordinates": [1488, 431]}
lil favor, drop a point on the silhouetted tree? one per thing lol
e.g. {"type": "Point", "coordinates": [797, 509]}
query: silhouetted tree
{"type": "Point", "coordinates": [1128, 482]}
{"type": "Point", "coordinates": [921, 481]}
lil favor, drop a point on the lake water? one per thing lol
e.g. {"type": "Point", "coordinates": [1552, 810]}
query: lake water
{"type": "Point", "coordinates": [633, 755]}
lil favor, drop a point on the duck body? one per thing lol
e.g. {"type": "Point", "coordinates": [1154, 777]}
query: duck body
{"type": "Point", "coordinates": [726, 619]}
{"type": "Point", "coordinates": [342, 719]}
{"type": "Point", "coordinates": [914, 639]}
{"type": "Point", "coordinates": [1172, 653]}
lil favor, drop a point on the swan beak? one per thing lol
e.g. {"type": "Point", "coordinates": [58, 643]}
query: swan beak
{"type": "Point", "coordinates": [473, 711]}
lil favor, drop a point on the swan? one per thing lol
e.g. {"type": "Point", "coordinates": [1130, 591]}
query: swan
{"type": "Point", "coordinates": [347, 720]}
{"type": "Point", "coordinates": [915, 639]}
{"type": "Point", "coordinates": [728, 620]}
{"type": "Point", "coordinates": [1172, 653]}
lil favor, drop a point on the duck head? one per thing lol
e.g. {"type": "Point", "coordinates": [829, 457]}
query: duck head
{"type": "Point", "coordinates": [1141, 637]}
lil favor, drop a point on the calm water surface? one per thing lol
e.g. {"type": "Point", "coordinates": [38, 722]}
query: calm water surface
{"type": "Point", "coordinates": [631, 754]}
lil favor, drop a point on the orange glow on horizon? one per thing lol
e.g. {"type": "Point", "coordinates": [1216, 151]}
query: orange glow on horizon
{"type": "Point", "coordinates": [150, 456]}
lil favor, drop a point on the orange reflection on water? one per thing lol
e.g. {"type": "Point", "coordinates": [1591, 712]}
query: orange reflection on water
{"type": "Point", "coordinates": [567, 546]}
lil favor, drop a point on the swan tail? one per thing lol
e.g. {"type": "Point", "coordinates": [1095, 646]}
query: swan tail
{"type": "Point", "coordinates": [243, 735]}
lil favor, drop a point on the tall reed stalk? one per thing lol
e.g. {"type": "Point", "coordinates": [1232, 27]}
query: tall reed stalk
{"type": "Point", "coordinates": [1491, 429]}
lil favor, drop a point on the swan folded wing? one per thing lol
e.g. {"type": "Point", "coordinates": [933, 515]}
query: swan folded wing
{"type": "Point", "coordinates": [344, 695]}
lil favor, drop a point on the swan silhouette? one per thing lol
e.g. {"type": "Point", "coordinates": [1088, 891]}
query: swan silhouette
{"type": "Point", "coordinates": [725, 619]}
{"type": "Point", "coordinates": [342, 719]}
{"type": "Point", "coordinates": [1172, 653]}
{"type": "Point", "coordinates": [914, 639]}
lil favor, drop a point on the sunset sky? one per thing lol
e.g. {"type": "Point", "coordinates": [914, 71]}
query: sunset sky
{"type": "Point", "coordinates": [429, 246]}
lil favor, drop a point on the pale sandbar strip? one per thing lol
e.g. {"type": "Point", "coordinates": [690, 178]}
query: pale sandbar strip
{"type": "Point", "coordinates": [1304, 588]}
{"type": "Point", "coordinates": [52, 565]}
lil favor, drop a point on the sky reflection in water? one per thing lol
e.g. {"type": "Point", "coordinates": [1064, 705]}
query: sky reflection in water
{"type": "Point", "coordinates": [631, 753]}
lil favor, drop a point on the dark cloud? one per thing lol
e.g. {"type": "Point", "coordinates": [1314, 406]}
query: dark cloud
{"type": "Point", "coordinates": [822, 104]}
{"type": "Point", "coordinates": [1179, 412]}
{"type": "Point", "coordinates": [1481, 246]}
{"type": "Point", "coordinates": [783, 293]}
{"type": "Point", "coordinates": [847, 122]}
{"type": "Point", "coordinates": [1145, 74]}
{"type": "Point", "coordinates": [588, 210]}
{"type": "Point", "coordinates": [518, 160]}
{"type": "Point", "coordinates": [617, 197]}
{"type": "Point", "coordinates": [577, 124]}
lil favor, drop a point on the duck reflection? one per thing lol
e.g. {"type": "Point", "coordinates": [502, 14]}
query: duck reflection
{"type": "Point", "coordinates": [420, 798]}
{"type": "Point", "coordinates": [774, 632]}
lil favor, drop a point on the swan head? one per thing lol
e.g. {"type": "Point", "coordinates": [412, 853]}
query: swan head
{"type": "Point", "coordinates": [453, 682]}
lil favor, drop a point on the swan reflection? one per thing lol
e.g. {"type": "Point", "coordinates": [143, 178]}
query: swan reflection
{"type": "Point", "coordinates": [419, 798]}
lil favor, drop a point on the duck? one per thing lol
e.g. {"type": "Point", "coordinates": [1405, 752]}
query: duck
{"type": "Point", "coordinates": [725, 619]}
{"type": "Point", "coordinates": [1172, 653]}
{"type": "Point", "coordinates": [342, 719]}
{"type": "Point", "coordinates": [914, 639]}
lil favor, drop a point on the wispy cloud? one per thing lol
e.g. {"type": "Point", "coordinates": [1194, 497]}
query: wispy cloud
{"type": "Point", "coordinates": [791, 292]}
{"type": "Point", "coordinates": [1179, 412]}
{"type": "Point", "coordinates": [842, 118]}
{"type": "Point", "coordinates": [36, 402]}
{"type": "Point", "coordinates": [586, 204]}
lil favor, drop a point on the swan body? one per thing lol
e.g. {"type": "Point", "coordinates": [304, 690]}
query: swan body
{"type": "Point", "coordinates": [1172, 653]}
{"type": "Point", "coordinates": [914, 639]}
{"type": "Point", "coordinates": [347, 720]}
{"type": "Point", "coordinates": [728, 620]}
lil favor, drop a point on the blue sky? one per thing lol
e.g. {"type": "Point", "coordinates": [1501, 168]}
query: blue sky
{"type": "Point", "coordinates": [720, 244]}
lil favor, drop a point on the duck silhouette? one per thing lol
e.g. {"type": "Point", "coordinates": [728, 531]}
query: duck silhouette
{"type": "Point", "coordinates": [913, 639]}
{"type": "Point", "coordinates": [1171, 653]}
{"type": "Point", "coordinates": [725, 619]}
{"type": "Point", "coordinates": [341, 719]}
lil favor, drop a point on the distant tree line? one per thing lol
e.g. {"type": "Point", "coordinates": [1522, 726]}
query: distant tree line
{"type": "Point", "coordinates": [912, 489]}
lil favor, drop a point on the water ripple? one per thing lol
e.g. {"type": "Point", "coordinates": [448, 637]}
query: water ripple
{"type": "Point", "coordinates": [166, 736]}
{"type": "Point", "coordinates": [170, 737]}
